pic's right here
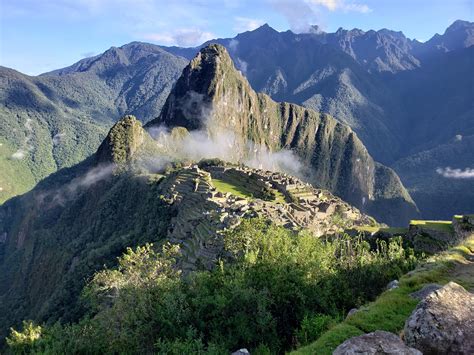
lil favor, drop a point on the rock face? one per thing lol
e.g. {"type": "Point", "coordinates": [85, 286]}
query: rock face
{"type": "Point", "coordinates": [376, 343]}
{"type": "Point", "coordinates": [443, 323]}
{"type": "Point", "coordinates": [212, 95]}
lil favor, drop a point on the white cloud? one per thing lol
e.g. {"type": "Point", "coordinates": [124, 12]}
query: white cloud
{"type": "Point", "coordinates": [456, 173]}
{"type": "Point", "coordinates": [185, 37]}
{"type": "Point", "coordinates": [301, 14]}
{"type": "Point", "coordinates": [19, 154]}
{"type": "Point", "coordinates": [243, 24]}
{"type": "Point", "coordinates": [343, 5]}
{"type": "Point", "coordinates": [233, 44]}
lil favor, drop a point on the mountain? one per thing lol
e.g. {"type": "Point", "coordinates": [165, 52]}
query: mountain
{"type": "Point", "coordinates": [457, 36]}
{"type": "Point", "coordinates": [400, 96]}
{"type": "Point", "coordinates": [397, 113]}
{"type": "Point", "coordinates": [53, 238]}
{"type": "Point", "coordinates": [57, 119]}
{"type": "Point", "coordinates": [212, 95]}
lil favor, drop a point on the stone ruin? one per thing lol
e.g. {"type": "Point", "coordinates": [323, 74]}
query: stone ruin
{"type": "Point", "coordinates": [203, 212]}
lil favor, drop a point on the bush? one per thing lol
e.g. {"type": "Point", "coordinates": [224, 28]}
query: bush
{"type": "Point", "coordinates": [272, 290]}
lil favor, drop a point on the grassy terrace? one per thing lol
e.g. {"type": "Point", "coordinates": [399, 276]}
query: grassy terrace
{"type": "Point", "coordinates": [390, 310]}
{"type": "Point", "coordinates": [434, 225]}
{"type": "Point", "coordinates": [224, 186]}
{"type": "Point", "coordinates": [241, 191]}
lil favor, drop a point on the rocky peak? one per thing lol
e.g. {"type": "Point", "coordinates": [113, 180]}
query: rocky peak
{"type": "Point", "coordinates": [457, 36]}
{"type": "Point", "coordinates": [122, 142]}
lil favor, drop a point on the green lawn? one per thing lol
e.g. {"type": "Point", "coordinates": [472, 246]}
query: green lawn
{"type": "Point", "coordinates": [224, 186]}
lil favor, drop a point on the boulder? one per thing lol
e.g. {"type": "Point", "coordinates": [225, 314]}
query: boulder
{"type": "Point", "coordinates": [378, 342]}
{"type": "Point", "coordinates": [443, 322]}
{"type": "Point", "coordinates": [425, 291]}
{"type": "Point", "coordinates": [351, 312]}
{"type": "Point", "coordinates": [242, 351]}
{"type": "Point", "coordinates": [392, 284]}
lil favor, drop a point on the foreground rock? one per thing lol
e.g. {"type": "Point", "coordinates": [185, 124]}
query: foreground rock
{"type": "Point", "coordinates": [378, 342]}
{"type": "Point", "coordinates": [443, 323]}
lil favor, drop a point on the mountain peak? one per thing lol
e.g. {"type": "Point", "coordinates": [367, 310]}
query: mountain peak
{"type": "Point", "coordinates": [212, 95]}
{"type": "Point", "coordinates": [458, 25]}
{"type": "Point", "coordinates": [122, 142]}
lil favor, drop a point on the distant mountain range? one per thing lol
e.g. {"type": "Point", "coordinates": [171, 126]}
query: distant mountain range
{"type": "Point", "coordinates": [407, 101]}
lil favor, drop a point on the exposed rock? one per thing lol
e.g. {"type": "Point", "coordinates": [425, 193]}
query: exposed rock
{"type": "Point", "coordinates": [392, 284]}
{"type": "Point", "coordinates": [443, 323]}
{"type": "Point", "coordinates": [351, 312]}
{"type": "Point", "coordinates": [425, 291]}
{"type": "Point", "coordinates": [429, 239]}
{"type": "Point", "coordinates": [242, 351]}
{"type": "Point", "coordinates": [378, 342]}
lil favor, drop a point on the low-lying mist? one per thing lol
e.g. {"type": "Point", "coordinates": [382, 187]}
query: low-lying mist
{"type": "Point", "coordinates": [179, 144]}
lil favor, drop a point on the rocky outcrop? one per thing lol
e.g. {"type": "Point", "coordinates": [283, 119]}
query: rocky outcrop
{"type": "Point", "coordinates": [212, 95]}
{"type": "Point", "coordinates": [463, 226]}
{"type": "Point", "coordinates": [425, 291]}
{"type": "Point", "coordinates": [376, 343]}
{"type": "Point", "coordinates": [443, 323]}
{"type": "Point", "coordinates": [127, 143]}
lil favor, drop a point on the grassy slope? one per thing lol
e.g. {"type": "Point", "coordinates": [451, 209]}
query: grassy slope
{"type": "Point", "coordinates": [392, 308]}
{"type": "Point", "coordinates": [15, 177]}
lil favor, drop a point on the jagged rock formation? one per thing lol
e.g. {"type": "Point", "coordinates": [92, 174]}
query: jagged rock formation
{"type": "Point", "coordinates": [376, 343]}
{"type": "Point", "coordinates": [211, 94]}
{"type": "Point", "coordinates": [442, 323]}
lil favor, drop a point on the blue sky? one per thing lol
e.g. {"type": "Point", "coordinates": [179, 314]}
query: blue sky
{"type": "Point", "coordinates": [41, 35]}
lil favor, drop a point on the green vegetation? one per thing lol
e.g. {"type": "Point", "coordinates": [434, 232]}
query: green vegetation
{"type": "Point", "coordinates": [15, 177]}
{"type": "Point", "coordinates": [65, 246]}
{"type": "Point", "coordinates": [272, 290]}
{"type": "Point", "coordinates": [393, 307]}
{"type": "Point", "coordinates": [237, 190]}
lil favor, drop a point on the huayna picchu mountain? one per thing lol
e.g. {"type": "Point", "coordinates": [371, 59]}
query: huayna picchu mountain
{"type": "Point", "coordinates": [213, 95]}
{"type": "Point", "coordinates": [53, 238]}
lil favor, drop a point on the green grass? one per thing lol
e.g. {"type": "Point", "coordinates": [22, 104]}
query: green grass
{"type": "Point", "coordinates": [224, 186]}
{"type": "Point", "coordinates": [279, 197]}
{"type": "Point", "coordinates": [374, 229]}
{"type": "Point", "coordinates": [391, 309]}
{"type": "Point", "coordinates": [434, 225]}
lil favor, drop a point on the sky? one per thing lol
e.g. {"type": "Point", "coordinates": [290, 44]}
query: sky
{"type": "Point", "coordinates": [37, 36]}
